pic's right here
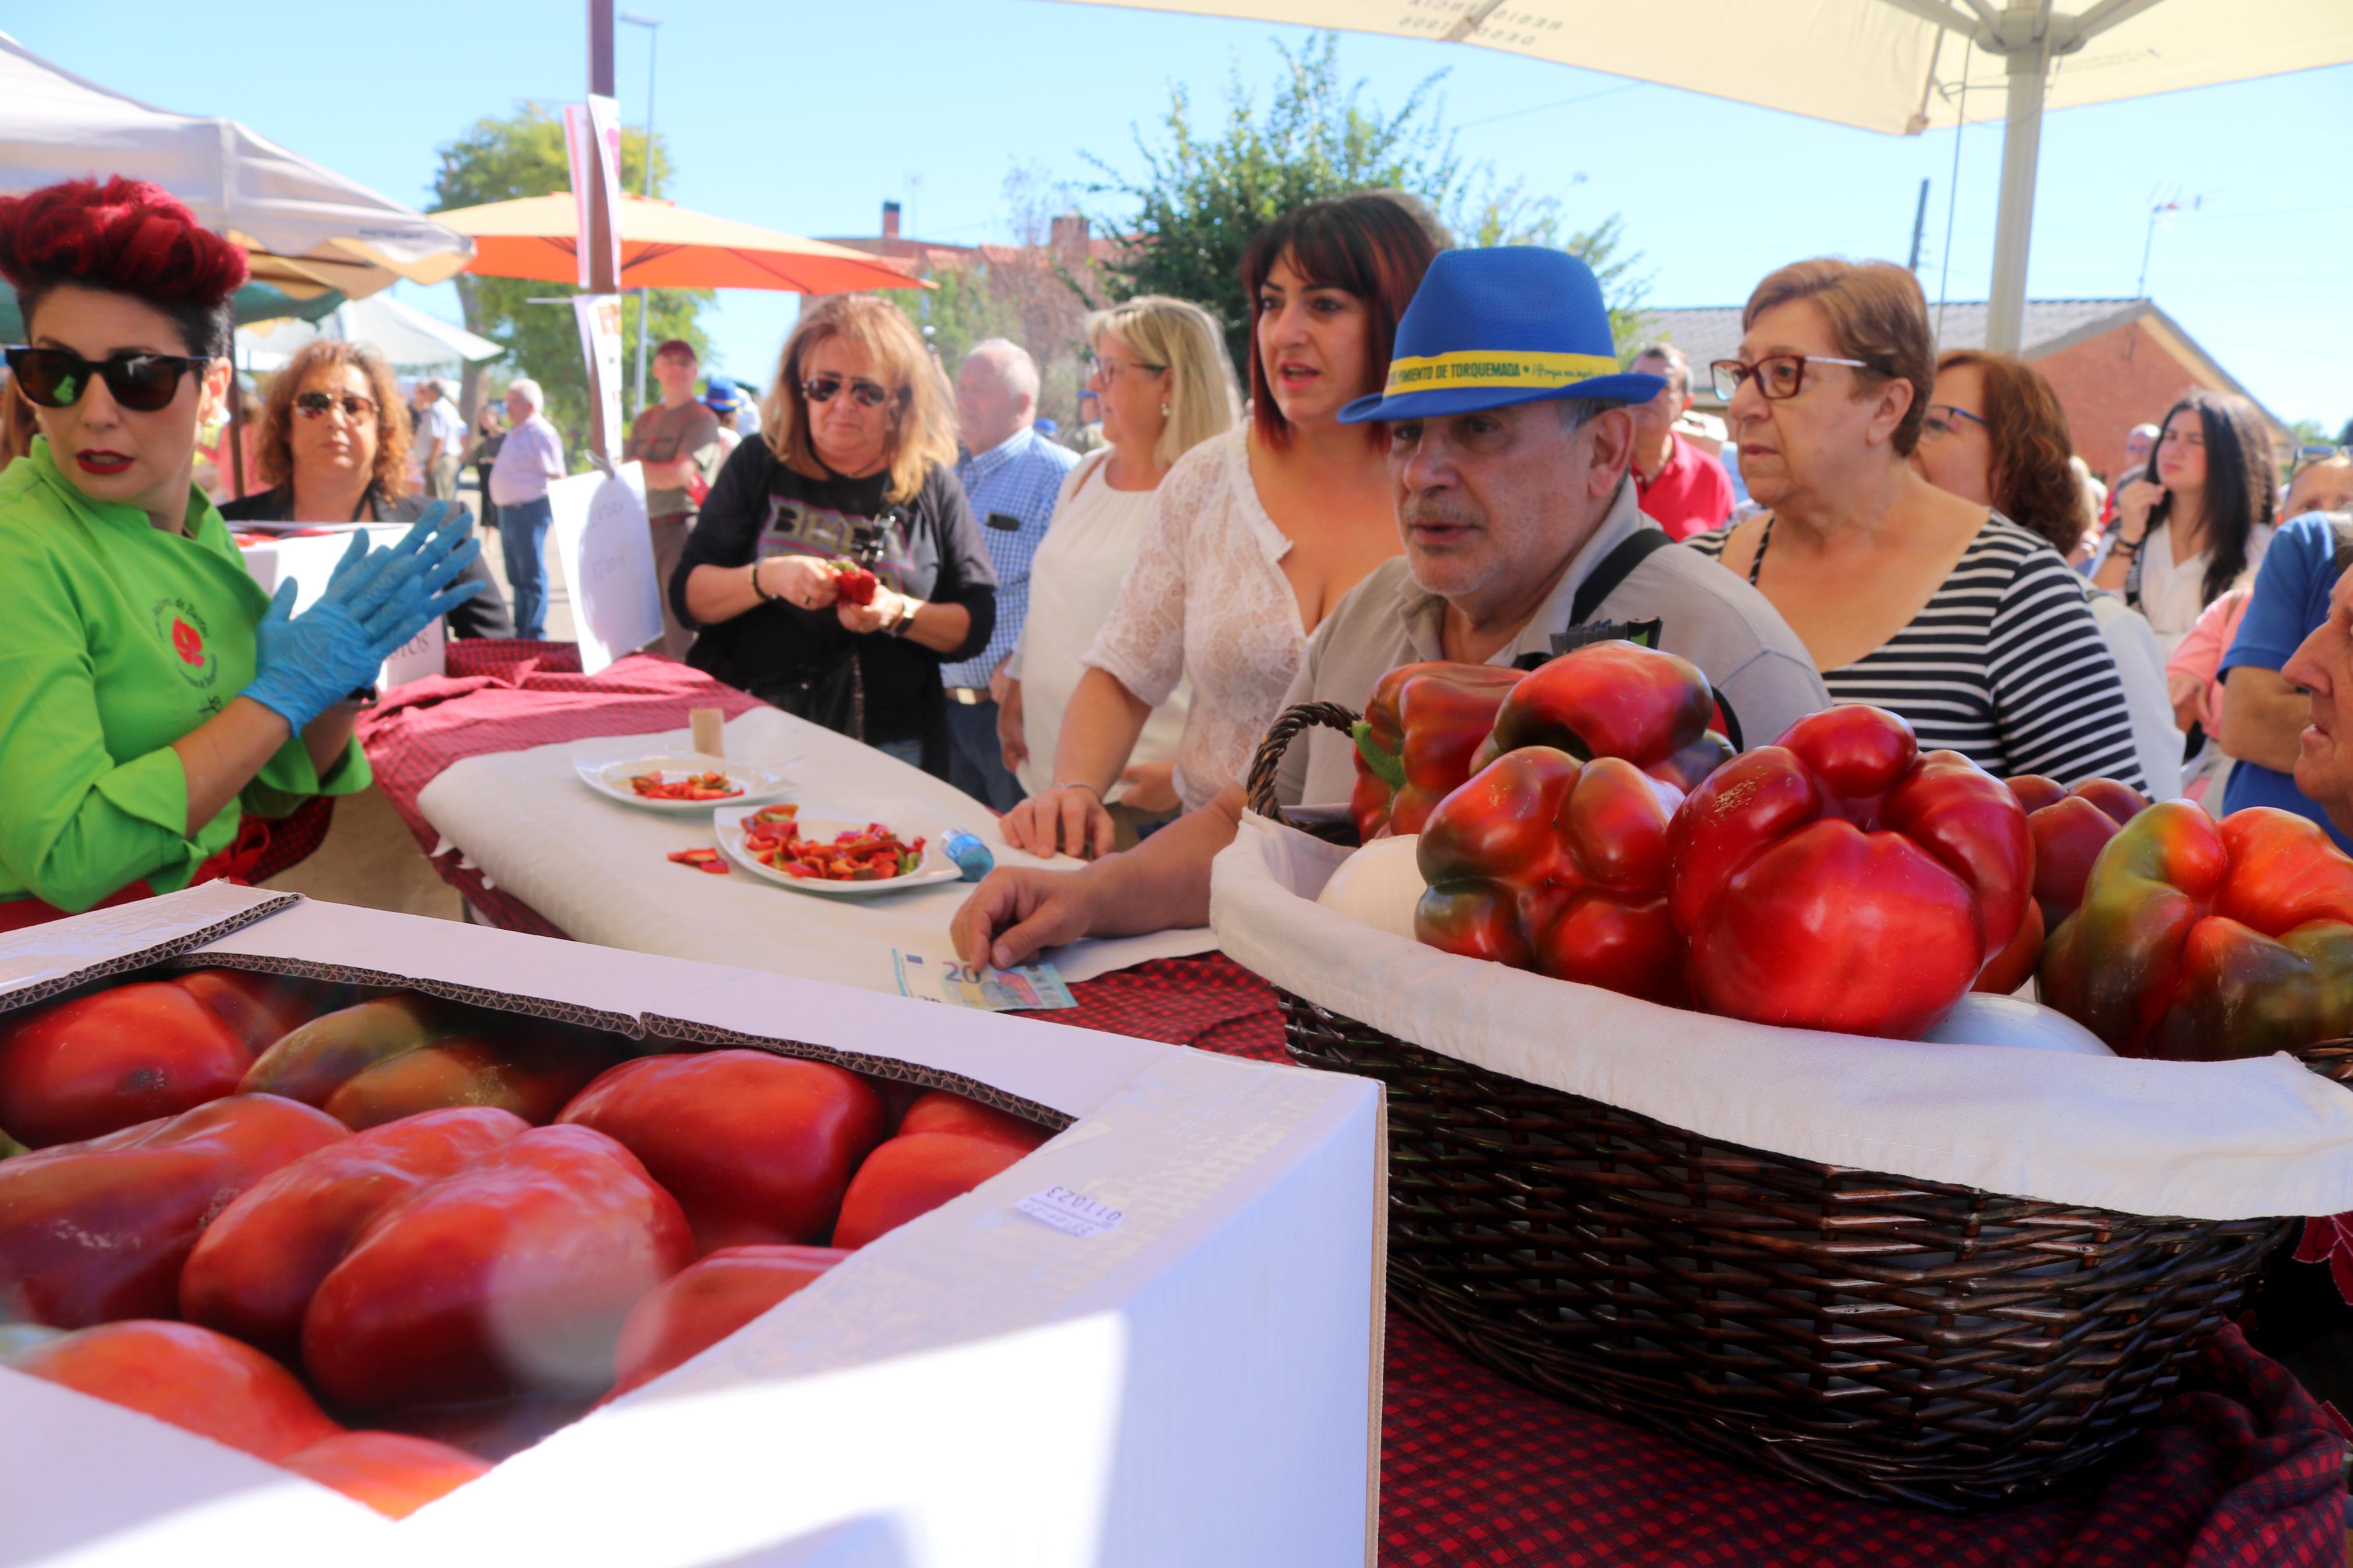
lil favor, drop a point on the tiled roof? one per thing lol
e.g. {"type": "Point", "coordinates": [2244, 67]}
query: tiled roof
{"type": "Point", "coordinates": [1712, 331]}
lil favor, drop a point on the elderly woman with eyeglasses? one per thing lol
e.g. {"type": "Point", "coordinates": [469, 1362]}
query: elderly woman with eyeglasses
{"type": "Point", "coordinates": [1909, 597]}
{"type": "Point", "coordinates": [851, 469]}
{"type": "Point", "coordinates": [153, 698]}
{"type": "Point", "coordinates": [333, 447]}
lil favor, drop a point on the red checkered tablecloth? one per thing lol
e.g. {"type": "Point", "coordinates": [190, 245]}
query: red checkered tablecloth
{"type": "Point", "coordinates": [2243, 1471]}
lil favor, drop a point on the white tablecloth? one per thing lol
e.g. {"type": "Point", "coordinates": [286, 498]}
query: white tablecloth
{"type": "Point", "coordinates": [596, 867]}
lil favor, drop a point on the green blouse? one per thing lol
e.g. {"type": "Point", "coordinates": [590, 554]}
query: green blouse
{"type": "Point", "coordinates": [117, 640]}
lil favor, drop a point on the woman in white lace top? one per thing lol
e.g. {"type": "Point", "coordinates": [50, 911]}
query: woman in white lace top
{"type": "Point", "coordinates": [1254, 534]}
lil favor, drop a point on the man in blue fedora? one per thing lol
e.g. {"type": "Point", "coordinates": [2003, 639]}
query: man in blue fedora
{"type": "Point", "coordinates": [1509, 443]}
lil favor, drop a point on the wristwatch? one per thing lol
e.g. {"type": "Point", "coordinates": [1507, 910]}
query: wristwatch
{"type": "Point", "coordinates": [907, 609]}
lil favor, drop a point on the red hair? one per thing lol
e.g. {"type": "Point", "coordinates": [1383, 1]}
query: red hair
{"type": "Point", "coordinates": [128, 238]}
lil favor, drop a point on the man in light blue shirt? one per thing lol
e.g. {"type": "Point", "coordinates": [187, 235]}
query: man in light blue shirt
{"type": "Point", "coordinates": [1011, 475]}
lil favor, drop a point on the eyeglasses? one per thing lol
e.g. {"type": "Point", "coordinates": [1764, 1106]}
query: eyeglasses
{"type": "Point", "coordinates": [868, 393]}
{"type": "Point", "coordinates": [1110, 369]}
{"type": "Point", "coordinates": [1937, 423]}
{"type": "Point", "coordinates": [319, 405]}
{"type": "Point", "coordinates": [56, 378]}
{"type": "Point", "coordinates": [1777, 375]}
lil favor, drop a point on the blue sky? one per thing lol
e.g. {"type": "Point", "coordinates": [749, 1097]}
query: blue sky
{"type": "Point", "coordinates": [804, 117]}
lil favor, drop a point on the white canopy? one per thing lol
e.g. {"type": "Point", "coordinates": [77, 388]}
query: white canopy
{"type": "Point", "coordinates": [307, 227]}
{"type": "Point", "coordinates": [404, 334]}
{"type": "Point", "coordinates": [1883, 65]}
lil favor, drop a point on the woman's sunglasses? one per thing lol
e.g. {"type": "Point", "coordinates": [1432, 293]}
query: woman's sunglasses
{"type": "Point", "coordinates": [55, 378]}
{"type": "Point", "coordinates": [821, 388]}
{"type": "Point", "coordinates": [319, 405]}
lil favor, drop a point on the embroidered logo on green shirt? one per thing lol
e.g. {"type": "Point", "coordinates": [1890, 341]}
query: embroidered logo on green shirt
{"type": "Point", "coordinates": [180, 624]}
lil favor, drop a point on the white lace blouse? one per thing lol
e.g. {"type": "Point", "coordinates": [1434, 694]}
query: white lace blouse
{"type": "Point", "coordinates": [1207, 603]}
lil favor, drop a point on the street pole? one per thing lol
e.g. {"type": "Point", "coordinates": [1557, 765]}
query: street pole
{"type": "Point", "coordinates": [1919, 226]}
{"type": "Point", "coordinates": [2021, 148]}
{"type": "Point", "coordinates": [652, 24]}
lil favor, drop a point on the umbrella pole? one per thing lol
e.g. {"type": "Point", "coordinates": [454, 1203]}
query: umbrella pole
{"type": "Point", "coordinates": [235, 431]}
{"type": "Point", "coordinates": [2021, 151]}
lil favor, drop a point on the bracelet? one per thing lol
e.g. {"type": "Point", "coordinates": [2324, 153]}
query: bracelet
{"type": "Point", "coordinates": [765, 598]}
{"type": "Point", "coordinates": [2125, 546]}
{"type": "Point", "coordinates": [1080, 784]}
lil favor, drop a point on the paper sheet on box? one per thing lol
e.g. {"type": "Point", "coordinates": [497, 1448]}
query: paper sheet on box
{"type": "Point", "coordinates": [596, 867]}
{"type": "Point", "coordinates": [2203, 1139]}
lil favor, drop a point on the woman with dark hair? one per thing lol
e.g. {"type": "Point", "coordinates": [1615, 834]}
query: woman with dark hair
{"type": "Point", "coordinates": [1255, 534]}
{"type": "Point", "coordinates": [333, 446]}
{"type": "Point", "coordinates": [1996, 434]}
{"type": "Point", "coordinates": [1909, 597]}
{"type": "Point", "coordinates": [150, 693]}
{"type": "Point", "coordinates": [2196, 522]}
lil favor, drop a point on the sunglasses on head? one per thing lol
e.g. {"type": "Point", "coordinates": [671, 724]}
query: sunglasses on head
{"type": "Point", "coordinates": [868, 393]}
{"type": "Point", "coordinates": [319, 405]}
{"type": "Point", "coordinates": [56, 378]}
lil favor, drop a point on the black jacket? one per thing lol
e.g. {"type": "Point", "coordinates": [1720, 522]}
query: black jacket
{"type": "Point", "coordinates": [483, 616]}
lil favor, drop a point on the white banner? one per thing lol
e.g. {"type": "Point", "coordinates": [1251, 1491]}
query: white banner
{"type": "Point", "coordinates": [601, 537]}
{"type": "Point", "coordinates": [590, 128]}
{"type": "Point", "coordinates": [312, 561]}
{"type": "Point", "coordinates": [599, 316]}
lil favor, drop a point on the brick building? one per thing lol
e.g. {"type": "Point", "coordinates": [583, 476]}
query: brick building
{"type": "Point", "coordinates": [2114, 364]}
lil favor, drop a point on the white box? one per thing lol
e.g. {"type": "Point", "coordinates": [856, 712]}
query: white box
{"type": "Point", "coordinates": [1199, 1386]}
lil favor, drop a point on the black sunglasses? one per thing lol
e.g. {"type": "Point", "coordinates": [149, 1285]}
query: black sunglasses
{"type": "Point", "coordinates": [821, 388]}
{"type": "Point", "coordinates": [319, 405]}
{"type": "Point", "coordinates": [56, 378]}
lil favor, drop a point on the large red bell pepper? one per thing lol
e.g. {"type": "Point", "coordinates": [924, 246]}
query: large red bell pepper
{"type": "Point", "coordinates": [2070, 826]}
{"type": "Point", "coordinates": [194, 1379]}
{"type": "Point", "coordinates": [756, 1148]}
{"type": "Point", "coordinates": [95, 1231]}
{"type": "Point", "coordinates": [529, 1069]}
{"type": "Point", "coordinates": [1547, 863]}
{"type": "Point", "coordinates": [2200, 941]}
{"type": "Point", "coordinates": [1615, 700]}
{"type": "Point", "coordinates": [263, 1008]}
{"type": "Point", "coordinates": [513, 1273]}
{"type": "Point", "coordinates": [81, 1069]}
{"type": "Point", "coordinates": [942, 1110]}
{"type": "Point", "coordinates": [256, 1267]}
{"type": "Point", "coordinates": [312, 1062]}
{"type": "Point", "coordinates": [391, 1473]}
{"type": "Point", "coordinates": [913, 1174]}
{"type": "Point", "coordinates": [705, 1302]}
{"type": "Point", "coordinates": [1843, 879]}
{"type": "Point", "coordinates": [1414, 744]}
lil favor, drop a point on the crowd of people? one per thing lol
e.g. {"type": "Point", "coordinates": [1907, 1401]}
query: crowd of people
{"type": "Point", "coordinates": [1433, 452]}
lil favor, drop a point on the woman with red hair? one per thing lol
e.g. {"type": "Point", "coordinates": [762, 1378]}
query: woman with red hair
{"type": "Point", "coordinates": [150, 693]}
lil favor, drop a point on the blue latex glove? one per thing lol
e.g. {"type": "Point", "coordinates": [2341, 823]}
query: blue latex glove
{"type": "Point", "coordinates": [375, 601]}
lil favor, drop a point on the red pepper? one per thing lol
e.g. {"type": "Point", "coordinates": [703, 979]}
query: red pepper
{"type": "Point", "coordinates": [254, 1269]}
{"type": "Point", "coordinates": [79, 1069]}
{"type": "Point", "coordinates": [512, 1273]}
{"type": "Point", "coordinates": [1842, 879]}
{"type": "Point", "coordinates": [2200, 941]}
{"type": "Point", "coordinates": [263, 1008]}
{"type": "Point", "coordinates": [1615, 700]}
{"type": "Point", "coordinates": [394, 1474]}
{"type": "Point", "coordinates": [854, 584]}
{"type": "Point", "coordinates": [313, 1061]}
{"type": "Point", "coordinates": [1415, 743]}
{"type": "Point", "coordinates": [528, 1068]}
{"type": "Point", "coordinates": [941, 1110]}
{"type": "Point", "coordinates": [1547, 863]}
{"type": "Point", "coordinates": [2070, 826]}
{"type": "Point", "coordinates": [94, 1231]}
{"type": "Point", "coordinates": [913, 1174]}
{"type": "Point", "coordinates": [754, 1147]}
{"type": "Point", "coordinates": [704, 1303]}
{"type": "Point", "coordinates": [191, 1378]}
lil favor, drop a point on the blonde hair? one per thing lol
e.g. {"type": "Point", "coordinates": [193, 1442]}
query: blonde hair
{"type": "Point", "coordinates": [922, 435]}
{"type": "Point", "coordinates": [1204, 396]}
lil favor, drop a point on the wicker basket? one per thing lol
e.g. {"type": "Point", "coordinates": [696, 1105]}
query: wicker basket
{"type": "Point", "coordinates": [1883, 1338]}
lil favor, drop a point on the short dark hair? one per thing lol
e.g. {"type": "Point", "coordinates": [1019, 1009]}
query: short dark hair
{"type": "Point", "coordinates": [678, 346]}
{"type": "Point", "coordinates": [127, 237]}
{"type": "Point", "coordinates": [1368, 245]}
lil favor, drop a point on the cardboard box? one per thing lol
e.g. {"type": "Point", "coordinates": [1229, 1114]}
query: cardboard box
{"type": "Point", "coordinates": [1198, 1385]}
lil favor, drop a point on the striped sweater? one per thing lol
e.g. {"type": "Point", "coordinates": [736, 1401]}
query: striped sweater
{"type": "Point", "coordinates": [2004, 665]}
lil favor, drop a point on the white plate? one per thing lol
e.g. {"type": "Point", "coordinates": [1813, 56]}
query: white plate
{"type": "Point", "coordinates": [611, 779]}
{"type": "Point", "coordinates": [817, 822]}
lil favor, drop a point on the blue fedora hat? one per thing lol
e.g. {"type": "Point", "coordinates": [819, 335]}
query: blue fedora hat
{"type": "Point", "coordinates": [1516, 323]}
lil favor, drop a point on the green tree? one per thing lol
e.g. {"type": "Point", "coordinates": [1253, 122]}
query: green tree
{"type": "Point", "coordinates": [501, 159]}
{"type": "Point", "coordinates": [1202, 191]}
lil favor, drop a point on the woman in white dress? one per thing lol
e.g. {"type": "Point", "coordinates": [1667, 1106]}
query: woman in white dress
{"type": "Point", "coordinates": [1254, 535]}
{"type": "Point", "coordinates": [1163, 384]}
{"type": "Point", "coordinates": [2195, 522]}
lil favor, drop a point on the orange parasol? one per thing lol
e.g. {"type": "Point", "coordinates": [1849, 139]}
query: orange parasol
{"type": "Point", "coordinates": [664, 245]}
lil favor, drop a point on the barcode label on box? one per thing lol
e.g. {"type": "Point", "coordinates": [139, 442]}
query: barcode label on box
{"type": "Point", "coordinates": [1070, 1212]}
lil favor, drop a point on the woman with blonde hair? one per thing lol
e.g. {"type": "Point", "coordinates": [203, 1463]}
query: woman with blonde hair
{"type": "Point", "coordinates": [331, 445]}
{"type": "Point", "coordinates": [853, 466]}
{"type": "Point", "coordinates": [1164, 384]}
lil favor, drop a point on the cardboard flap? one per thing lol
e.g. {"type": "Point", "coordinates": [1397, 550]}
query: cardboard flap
{"type": "Point", "coordinates": [45, 961]}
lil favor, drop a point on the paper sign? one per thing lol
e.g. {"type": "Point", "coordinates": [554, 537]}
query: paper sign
{"type": "Point", "coordinates": [1072, 1213]}
{"type": "Point", "coordinates": [312, 561]}
{"type": "Point", "coordinates": [601, 537]}
{"type": "Point", "coordinates": [1029, 987]}
{"type": "Point", "coordinates": [599, 316]}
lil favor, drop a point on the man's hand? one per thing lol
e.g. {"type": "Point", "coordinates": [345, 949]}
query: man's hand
{"type": "Point", "coordinates": [1019, 910]}
{"type": "Point", "coordinates": [2264, 718]}
{"type": "Point", "coordinates": [1012, 740]}
{"type": "Point", "coordinates": [1068, 818]}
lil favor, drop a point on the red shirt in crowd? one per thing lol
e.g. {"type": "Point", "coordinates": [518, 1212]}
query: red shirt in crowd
{"type": "Point", "coordinates": [1690, 494]}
